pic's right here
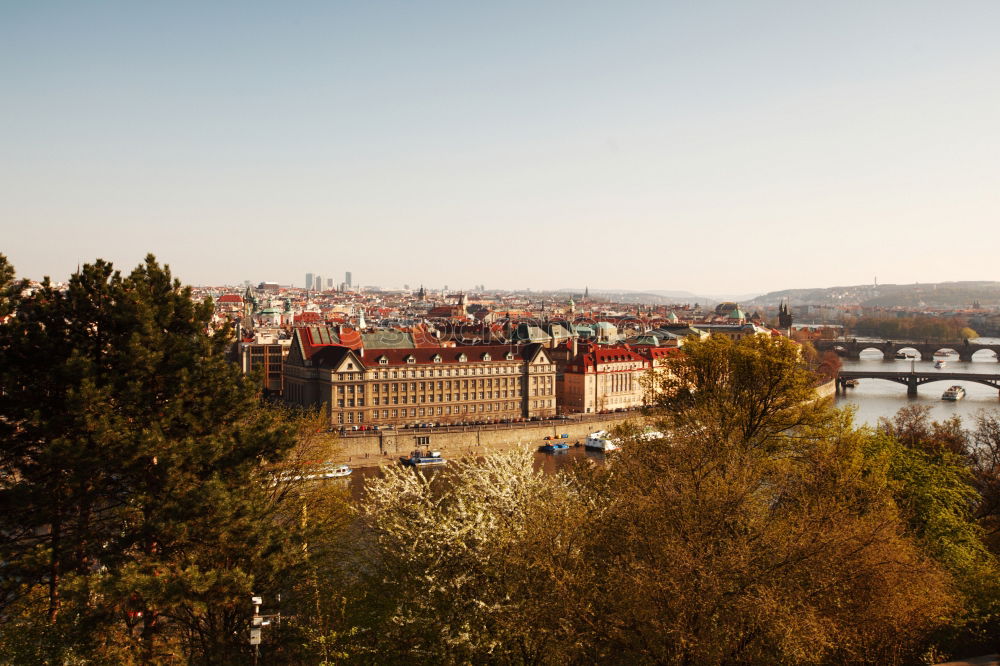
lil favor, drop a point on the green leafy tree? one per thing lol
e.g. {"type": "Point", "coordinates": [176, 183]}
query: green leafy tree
{"type": "Point", "coordinates": [755, 390]}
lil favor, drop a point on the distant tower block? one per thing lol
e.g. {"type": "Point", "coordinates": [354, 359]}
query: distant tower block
{"type": "Point", "coordinates": [318, 282]}
{"type": "Point", "coordinates": [347, 279]}
{"type": "Point", "coordinates": [309, 280]}
{"type": "Point", "coordinates": [329, 283]}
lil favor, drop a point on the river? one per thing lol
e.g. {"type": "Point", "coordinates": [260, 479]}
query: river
{"type": "Point", "coordinates": [875, 398]}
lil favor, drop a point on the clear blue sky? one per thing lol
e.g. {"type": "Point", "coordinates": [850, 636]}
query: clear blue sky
{"type": "Point", "coordinates": [709, 146]}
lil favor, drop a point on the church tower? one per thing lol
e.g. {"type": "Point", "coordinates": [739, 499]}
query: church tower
{"type": "Point", "coordinates": [785, 317]}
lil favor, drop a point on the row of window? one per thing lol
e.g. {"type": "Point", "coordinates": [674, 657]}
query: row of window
{"type": "Point", "coordinates": [441, 397]}
{"type": "Point", "coordinates": [413, 412]}
{"type": "Point", "coordinates": [442, 385]}
{"type": "Point", "coordinates": [439, 372]}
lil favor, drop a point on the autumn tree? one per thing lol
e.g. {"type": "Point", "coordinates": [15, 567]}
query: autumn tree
{"type": "Point", "coordinates": [755, 390]}
{"type": "Point", "coordinates": [715, 552]}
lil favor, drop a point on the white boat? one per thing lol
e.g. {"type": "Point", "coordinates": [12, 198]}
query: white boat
{"type": "Point", "coordinates": [599, 441]}
{"type": "Point", "coordinates": [953, 393]}
{"type": "Point", "coordinates": [941, 352]}
{"type": "Point", "coordinates": [940, 364]}
{"type": "Point", "coordinates": [327, 471]}
{"type": "Point", "coordinates": [904, 356]}
{"type": "Point", "coordinates": [337, 472]}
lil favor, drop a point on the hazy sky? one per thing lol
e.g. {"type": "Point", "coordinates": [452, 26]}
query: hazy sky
{"type": "Point", "coordinates": [709, 146]}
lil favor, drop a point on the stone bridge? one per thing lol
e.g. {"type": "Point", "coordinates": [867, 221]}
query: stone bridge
{"type": "Point", "coordinates": [911, 379]}
{"type": "Point", "coordinates": [852, 348]}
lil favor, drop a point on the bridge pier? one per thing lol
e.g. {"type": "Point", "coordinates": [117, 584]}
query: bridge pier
{"type": "Point", "coordinates": [911, 386]}
{"type": "Point", "coordinates": [965, 356]}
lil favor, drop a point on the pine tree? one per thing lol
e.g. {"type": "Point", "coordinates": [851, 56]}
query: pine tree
{"type": "Point", "coordinates": [131, 448]}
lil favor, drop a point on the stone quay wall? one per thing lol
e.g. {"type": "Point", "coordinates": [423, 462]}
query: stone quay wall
{"type": "Point", "coordinates": [378, 447]}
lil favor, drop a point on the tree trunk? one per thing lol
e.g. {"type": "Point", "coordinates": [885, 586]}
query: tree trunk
{"type": "Point", "coordinates": [149, 618]}
{"type": "Point", "coordinates": [55, 538]}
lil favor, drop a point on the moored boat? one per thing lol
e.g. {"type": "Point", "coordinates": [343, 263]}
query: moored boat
{"type": "Point", "coordinates": [599, 441]}
{"type": "Point", "coordinates": [953, 393]}
{"type": "Point", "coordinates": [423, 459]}
{"type": "Point", "coordinates": [940, 363]}
{"type": "Point", "coordinates": [552, 447]}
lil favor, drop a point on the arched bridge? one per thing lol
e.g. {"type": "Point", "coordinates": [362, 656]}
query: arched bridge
{"type": "Point", "coordinates": [911, 379]}
{"type": "Point", "coordinates": [852, 348]}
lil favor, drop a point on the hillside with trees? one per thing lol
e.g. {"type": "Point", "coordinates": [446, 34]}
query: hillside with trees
{"type": "Point", "coordinates": [931, 295]}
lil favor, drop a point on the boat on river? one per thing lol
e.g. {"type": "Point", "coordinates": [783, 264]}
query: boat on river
{"type": "Point", "coordinates": [904, 356]}
{"type": "Point", "coordinates": [953, 393]}
{"type": "Point", "coordinates": [423, 459]}
{"type": "Point", "coordinates": [940, 363]}
{"type": "Point", "coordinates": [941, 352]}
{"type": "Point", "coordinates": [337, 472]}
{"type": "Point", "coordinates": [552, 447]}
{"type": "Point", "coordinates": [325, 471]}
{"type": "Point", "coordinates": [599, 441]}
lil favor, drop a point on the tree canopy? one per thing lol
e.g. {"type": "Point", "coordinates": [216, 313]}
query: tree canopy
{"type": "Point", "coordinates": [131, 467]}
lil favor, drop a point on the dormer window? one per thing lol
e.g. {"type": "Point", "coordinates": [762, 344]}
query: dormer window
{"type": "Point", "coordinates": [510, 356]}
{"type": "Point", "coordinates": [382, 360]}
{"type": "Point", "coordinates": [437, 358]}
{"type": "Point", "coordinates": [411, 359]}
{"type": "Point", "coordinates": [486, 357]}
{"type": "Point", "coordinates": [462, 358]}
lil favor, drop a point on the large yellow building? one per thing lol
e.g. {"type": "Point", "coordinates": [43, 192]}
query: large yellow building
{"type": "Point", "coordinates": [439, 385]}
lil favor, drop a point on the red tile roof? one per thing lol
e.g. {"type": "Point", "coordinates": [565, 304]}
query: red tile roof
{"type": "Point", "coordinates": [425, 356]}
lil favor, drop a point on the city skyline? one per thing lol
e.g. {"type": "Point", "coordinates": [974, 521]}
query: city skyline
{"type": "Point", "coordinates": [712, 149]}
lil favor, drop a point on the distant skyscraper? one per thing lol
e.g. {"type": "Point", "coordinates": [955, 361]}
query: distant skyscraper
{"type": "Point", "coordinates": [329, 283]}
{"type": "Point", "coordinates": [309, 280]}
{"type": "Point", "coordinates": [318, 282]}
{"type": "Point", "coordinates": [347, 278]}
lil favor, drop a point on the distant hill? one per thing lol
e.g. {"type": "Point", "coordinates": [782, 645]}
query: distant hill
{"type": "Point", "coordinates": [930, 295]}
{"type": "Point", "coordinates": [652, 296]}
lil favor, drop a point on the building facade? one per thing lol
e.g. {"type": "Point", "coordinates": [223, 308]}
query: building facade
{"type": "Point", "coordinates": [603, 379]}
{"type": "Point", "coordinates": [394, 387]}
{"type": "Point", "coordinates": [268, 357]}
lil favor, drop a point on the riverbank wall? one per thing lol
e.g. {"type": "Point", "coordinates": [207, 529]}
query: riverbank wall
{"type": "Point", "coordinates": [827, 390]}
{"type": "Point", "coordinates": [379, 447]}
